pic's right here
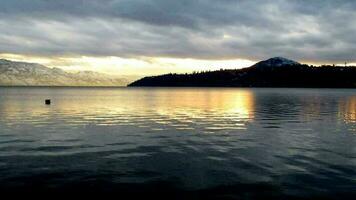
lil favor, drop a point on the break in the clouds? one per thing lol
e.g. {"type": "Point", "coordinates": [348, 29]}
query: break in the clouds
{"type": "Point", "coordinates": [315, 31]}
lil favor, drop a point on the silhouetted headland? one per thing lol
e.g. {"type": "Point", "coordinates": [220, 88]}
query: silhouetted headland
{"type": "Point", "coordinates": [274, 72]}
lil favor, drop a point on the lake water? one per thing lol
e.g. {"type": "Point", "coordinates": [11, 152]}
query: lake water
{"type": "Point", "coordinates": [180, 142]}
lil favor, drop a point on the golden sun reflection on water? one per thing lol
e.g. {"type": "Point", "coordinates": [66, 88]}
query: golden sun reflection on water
{"type": "Point", "coordinates": [133, 106]}
{"type": "Point", "coordinates": [156, 109]}
{"type": "Point", "coordinates": [195, 103]}
{"type": "Point", "coordinates": [347, 109]}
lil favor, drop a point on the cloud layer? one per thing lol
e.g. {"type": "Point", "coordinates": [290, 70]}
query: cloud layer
{"type": "Point", "coordinates": [318, 30]}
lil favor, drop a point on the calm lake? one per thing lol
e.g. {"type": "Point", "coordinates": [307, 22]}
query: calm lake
{"type": "Point", "coordinates": [185, 142]}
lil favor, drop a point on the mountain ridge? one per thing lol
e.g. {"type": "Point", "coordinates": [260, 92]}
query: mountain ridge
{"type": "Point", "coordinates": [14, 73]}
{"type": "Point", "coordinates": [273, 72]}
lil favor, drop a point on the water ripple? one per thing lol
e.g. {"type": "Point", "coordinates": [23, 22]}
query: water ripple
{"type": "Point", "coordinates": [294, 142]}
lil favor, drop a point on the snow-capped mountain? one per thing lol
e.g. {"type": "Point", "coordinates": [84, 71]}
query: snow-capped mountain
{"type": "Point", "coordinates": [32, 74]}
{"type": "Point", "coordinates": [276, 62]}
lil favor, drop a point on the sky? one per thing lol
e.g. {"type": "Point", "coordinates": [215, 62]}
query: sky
{"type": "Point", "coordinates": [149, 37]}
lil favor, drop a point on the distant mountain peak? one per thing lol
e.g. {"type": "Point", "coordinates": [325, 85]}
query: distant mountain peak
{"type": "Point", "coordinates": [276, 62]}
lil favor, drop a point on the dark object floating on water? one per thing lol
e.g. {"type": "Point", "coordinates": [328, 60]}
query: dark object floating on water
{"type": "Point", "coordinates": [48, 101]}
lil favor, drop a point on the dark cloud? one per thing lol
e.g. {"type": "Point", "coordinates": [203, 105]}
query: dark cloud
{"type": "Point", "coordinates": [318, 30]}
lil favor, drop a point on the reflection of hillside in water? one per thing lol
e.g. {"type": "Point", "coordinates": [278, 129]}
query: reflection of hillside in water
{"type": "Point", "coordinates": [171, 105]}
{"type": "Point", "coordinates": [303, 105]}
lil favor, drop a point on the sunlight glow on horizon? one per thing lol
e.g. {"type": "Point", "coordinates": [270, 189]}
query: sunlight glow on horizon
{"type": "Point", "coordinates": [138, 66]}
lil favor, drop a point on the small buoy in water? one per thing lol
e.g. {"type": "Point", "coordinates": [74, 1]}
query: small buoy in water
{"type": "Point", "coordinates": [48, 101]}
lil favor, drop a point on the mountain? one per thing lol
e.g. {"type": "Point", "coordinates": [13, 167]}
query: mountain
{"type": "Point", "coordinates": [274, 72]}
{"type": "Point", "coordinates": [276, 62]}
{"type": "Point", "coordinates": [32, 74]}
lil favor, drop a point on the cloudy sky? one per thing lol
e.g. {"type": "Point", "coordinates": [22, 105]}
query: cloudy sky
{"type": "Point", "coordinates": [144, 37]}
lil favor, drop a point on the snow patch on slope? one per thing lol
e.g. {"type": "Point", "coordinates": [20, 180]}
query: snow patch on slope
{"type": "Point", "coordinates": [276, 62]}
{"type": "Point", "coordinates": [32, 74]}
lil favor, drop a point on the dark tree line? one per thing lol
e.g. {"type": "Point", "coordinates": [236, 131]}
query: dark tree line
{"type": "Point", "coordinates": [326, 76]}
